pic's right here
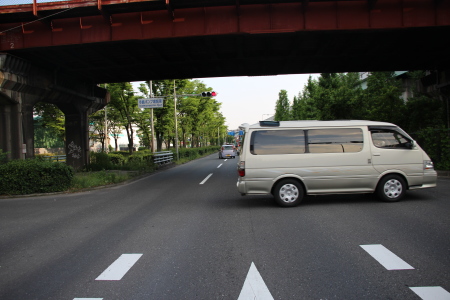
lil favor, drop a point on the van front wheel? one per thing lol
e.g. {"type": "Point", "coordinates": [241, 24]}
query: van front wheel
{"type": "Point", "coordinates": [288, 193]}
{"type": "Point", "coordinates": [391, 188]}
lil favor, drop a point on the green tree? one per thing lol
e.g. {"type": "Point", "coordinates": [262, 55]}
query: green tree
{"type": "Point", "coordinates": [282, 108]}
{"type": "Point", "coordinates": [124, 101]}
{"type": "Point", "coordinates": [49, 126]}
{"type": "Point", "coordinates": [383, 98]}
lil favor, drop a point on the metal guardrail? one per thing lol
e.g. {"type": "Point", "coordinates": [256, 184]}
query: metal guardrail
{"type": "Point", "coordinates": [58, 158]}
{"type": "Point", "coordinates": [163, 157]}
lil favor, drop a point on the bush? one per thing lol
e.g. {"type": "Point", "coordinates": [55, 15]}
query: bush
{"type": "Point", "coordinates": [100, 161]}
{"type": "Point", "coordinates": [20, 177]}
{"type": "Point", "coordinates": [116, 159]}
{"type": "Point", "coordinates": [3, 157]}
{"type": "Point", "coordinates": [436, 142]}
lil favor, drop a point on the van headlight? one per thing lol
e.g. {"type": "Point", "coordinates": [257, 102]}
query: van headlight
{"type": "Point", "coordinates": [428, 165]}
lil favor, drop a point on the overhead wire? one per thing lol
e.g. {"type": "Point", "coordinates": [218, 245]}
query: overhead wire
{"type": "Point", "coordinates": [37, 20]}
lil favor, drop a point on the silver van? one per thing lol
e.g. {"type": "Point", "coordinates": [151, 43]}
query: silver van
{"type": "Point", "coordinates": [291, 159]}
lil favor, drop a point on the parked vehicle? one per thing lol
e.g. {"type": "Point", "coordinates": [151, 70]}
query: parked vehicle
{"type": "Point", "coordinates": [227, 151]}
{"type": "Point", "coordinates": [291, 159]}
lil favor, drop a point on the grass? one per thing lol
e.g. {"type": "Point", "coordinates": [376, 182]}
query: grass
{"type": "Point", "coordinates": [84, 180]}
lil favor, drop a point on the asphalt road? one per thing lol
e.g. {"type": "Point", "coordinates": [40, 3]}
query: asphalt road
{"type": "Point", "coordinates": [167, 236]}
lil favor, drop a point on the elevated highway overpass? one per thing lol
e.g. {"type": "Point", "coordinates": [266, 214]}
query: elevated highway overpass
{"type": "Point", "coordinates": [101, 41]}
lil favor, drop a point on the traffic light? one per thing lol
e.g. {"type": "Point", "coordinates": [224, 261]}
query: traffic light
{"type": "Point", "coordinates": [209, 94]}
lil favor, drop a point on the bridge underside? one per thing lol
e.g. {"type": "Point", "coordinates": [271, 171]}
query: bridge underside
{"type": "Point", "coordinates": [252, 55]}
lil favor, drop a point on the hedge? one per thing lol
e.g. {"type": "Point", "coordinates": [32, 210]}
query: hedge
{"type": "Point", "coordinates": [20, 177]}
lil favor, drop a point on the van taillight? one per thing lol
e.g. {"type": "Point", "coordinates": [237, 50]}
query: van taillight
{"type": "Point", "coordinates": [222, 148]}
{"type": "Point", "coordinates": [241, 168]}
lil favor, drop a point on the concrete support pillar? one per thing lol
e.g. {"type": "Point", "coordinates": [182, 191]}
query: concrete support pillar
{"type": "Point", "coordinates": [11, 130]}
{"type": "Point", "coordinates": [77, 139]}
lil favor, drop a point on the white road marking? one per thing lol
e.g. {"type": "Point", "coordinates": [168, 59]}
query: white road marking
{"type": "Point", "coordinates": [386, 258]}
{"type": "Point", "coordinates": [120, 267]}
{"type": "Point", "coordinates": [225, 159]}
{"type": "Point", "coordinates": [219, 166]}
{"type": "Point", "coordinates": [431, 292]}
{"type": "Point", "coordinates": [207, 177]}
{"type": "Point", "coordinates": [254, 286]}
{"type": "Point", "coordinates": [87, 298]}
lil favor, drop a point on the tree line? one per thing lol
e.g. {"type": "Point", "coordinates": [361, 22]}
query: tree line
{"type": "Point", "coordinates": [199, 119]}
{"type": "Point", "coordinates": [382, 96]}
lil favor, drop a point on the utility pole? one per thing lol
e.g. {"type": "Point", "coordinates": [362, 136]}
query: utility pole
{"type": "Point", "coordinates": [151, 119]}
{"type": "Point", "coordinates": [175, 116]}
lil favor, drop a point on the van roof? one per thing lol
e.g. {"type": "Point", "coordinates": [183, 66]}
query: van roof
{"type": "Point", "coordinates": [315, 123]}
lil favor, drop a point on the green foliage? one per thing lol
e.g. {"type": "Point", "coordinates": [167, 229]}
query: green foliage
{"type": "Point", "coordinates": [3, 157]}
{"type": "Point", "coordinates": [50, 127]}
{"type": "Point", "coordinates": [100, 161]}
{"type": "Point", "coordinates": [92, 179]}
{"type": "Point", "coordinates": [335, 96]}
{"type": "Point", "coordinates": [122, 160]}
{"type": "Point", "coordinates": [436, 142]}
{"type": "Point", "coordinates": [20, 177]}
{"type": "Point", "coordinates": [116, 159]}
{"type": "Point", "coordinates": [282, 108]}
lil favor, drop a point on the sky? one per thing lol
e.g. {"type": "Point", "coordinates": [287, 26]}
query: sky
{"type": "Point", "coordinates": [252, 99]}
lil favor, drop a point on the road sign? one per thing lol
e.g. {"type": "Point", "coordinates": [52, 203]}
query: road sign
{"type": "Point", "coordinates": [151, 103]}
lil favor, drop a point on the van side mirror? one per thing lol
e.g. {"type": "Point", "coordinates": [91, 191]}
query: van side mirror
{"type": "Point", "coordinates": [410, 145]}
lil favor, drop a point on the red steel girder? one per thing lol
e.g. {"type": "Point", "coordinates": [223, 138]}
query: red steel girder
{"type": "Point", "coordinates": [218, 20]}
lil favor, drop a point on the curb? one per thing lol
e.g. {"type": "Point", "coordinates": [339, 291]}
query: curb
{"type": "Point", "coordinates": [443, 173]}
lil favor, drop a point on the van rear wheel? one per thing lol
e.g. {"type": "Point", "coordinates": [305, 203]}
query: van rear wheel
{"type": "Point", "coordinates": [288, 193]}
{"type": "Point", "coordinates": [391, 188]}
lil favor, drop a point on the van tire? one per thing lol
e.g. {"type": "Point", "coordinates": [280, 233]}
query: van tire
{"type": "Point", "coordinates": [288, 192]}
{"type": "Point", "coordinates": [391, 188]}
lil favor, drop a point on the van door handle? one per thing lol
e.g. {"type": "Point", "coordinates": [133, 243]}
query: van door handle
{"type": "Point", "coordinates": [376, 154]}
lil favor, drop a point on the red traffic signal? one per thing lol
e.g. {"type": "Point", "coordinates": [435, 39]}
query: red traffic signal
{"type": "Point", "coordinates": [209, 94]}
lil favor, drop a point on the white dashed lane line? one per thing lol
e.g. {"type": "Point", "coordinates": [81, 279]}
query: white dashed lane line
{"type": "Point", "coordinates": [392, 262]}
{"type": "Point", "coordinates": [207, 177]}
{"type": "Point", "coordinates": [431, 293]}
{"type": "Point", "coordinates": [386, 258]}
{"type": "Point", "coordinates": [120, 267]}
{"type": "Point", "coordinates": [219, 166]}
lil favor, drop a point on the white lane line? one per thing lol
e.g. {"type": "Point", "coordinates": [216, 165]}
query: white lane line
{"type": "Point", "coordinates": [120, 267]}
{"type": "Point", "coordinates": [87, 298]}
{"type": "Point", "coordinates": [386, 258]}
{"type": "Point", "coordinates": [431, 292]}
{"type": "Point", "coordinates": [219, 166]}
{"type": "Point", "coordinates": [225, 159]}
{"type": "Point", "coordinates": [254, 286]}
{"type": "Point", "coordinates": [207, 177]}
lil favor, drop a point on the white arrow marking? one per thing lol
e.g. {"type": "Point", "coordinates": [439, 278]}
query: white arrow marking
{"type": "Point", "coordinates": [120, 267]}
{"type": "Point", "coordinates": [431, 292]}
{"type": "Point", "coordinates": [254, 286]}
{"type": "Point", "coordinates": [386, 258]}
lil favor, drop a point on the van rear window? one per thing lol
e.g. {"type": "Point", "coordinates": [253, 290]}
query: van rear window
{"type": "Point", "coordinates": [266, 142]}
{"type": "Point", "coordinates": [297, 141]}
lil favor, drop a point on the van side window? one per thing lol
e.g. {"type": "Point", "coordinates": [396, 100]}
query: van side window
{"type": "Point", "coordinates": [335, 140]}
{"type": "Point", "coordinates": [391, 139]}
{"type": "Point", "coordinates": [266, 142]}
